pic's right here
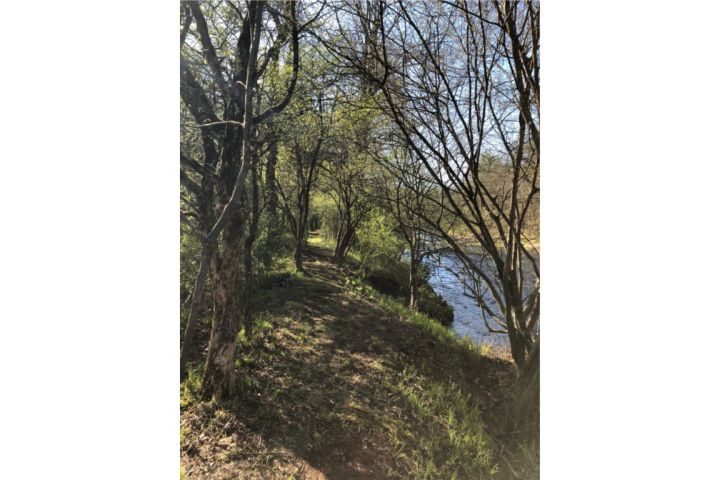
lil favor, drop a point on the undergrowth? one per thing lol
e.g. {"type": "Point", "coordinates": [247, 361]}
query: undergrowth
{"type": "Point", "coordinates": [433, 420]}
{"type": "Point", "coordinates": [446, 439]}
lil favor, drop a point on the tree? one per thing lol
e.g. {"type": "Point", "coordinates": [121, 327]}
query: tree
{"type": "Point", "coordinates": [220, 67]}
{"type": "Point", "coordinates": [345, 182]}
{"type": "Point", "coordinates": [306, 133]}
{"type": "Point", "coordinates": [460, 81]}
{"type": "Point", "coordinates": [404, 188]}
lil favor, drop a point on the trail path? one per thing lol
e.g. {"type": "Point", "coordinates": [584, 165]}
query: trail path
{"type": "Point", "coordinates": [334, 388]}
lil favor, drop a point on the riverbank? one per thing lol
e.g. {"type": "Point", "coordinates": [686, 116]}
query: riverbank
{"type": "Point", "coordinates": [463, 238]}
{"type": "Point", "coordinates": [339, 381]}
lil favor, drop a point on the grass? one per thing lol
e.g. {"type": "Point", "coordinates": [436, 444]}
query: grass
{"type": "Point", "coordinates": [328, 244]}
{"type": "Point", "coordinates": [452, 443]}
{"type": "Point", "coordinates": [340, 381]}
{"type": "Point", "coordinates": [321, 242]}
{"type": "Point", "coordinates": [190, 387]}
{"type": "Point", "coordinates": [432, 327]}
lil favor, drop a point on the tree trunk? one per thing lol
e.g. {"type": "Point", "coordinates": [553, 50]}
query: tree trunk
{"type": "Point", "coordinates": [219, 377]}
{"type": "Point", "coordinates": [298, 253]}
{"type": "Point", "coordinates": [194, 311]}
{"type": "Point", "coordinates": [301, 231]}
{"type": "Point", "coordinates": [518, 345]}
{"type": "Point", "coordinates": [300, 239]}
{"type": "Point", "coordinates": [338, 240]}
{"type": "Point", "coordinates": [272, 196]}
{"type": "Point", "coordinates": [248, 253]}
{"type": "Point", "coordinates": [414, 296]}
{"type": "Point", "coordinates": [526, 404]}
{"type": "Point", "coordinates": [343, 245]}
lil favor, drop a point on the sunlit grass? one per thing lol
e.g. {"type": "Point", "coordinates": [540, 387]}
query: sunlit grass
{"type": "Point", "coordinates": [320, 241]}
{"type": "Point", "coordinates": [485, 348]}
{"type": "Point", "coordinates": [441, 332]}
{"type": "Point", "coordinates": [190, 387]}
{"type": "Point", "coordinates": [445, 438]}
{"type": "Point", "coordinates": [432, 423]}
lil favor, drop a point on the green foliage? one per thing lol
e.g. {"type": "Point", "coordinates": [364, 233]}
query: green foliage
{"type": "Point", "coordinates": [273, 245]}
{"type": "Point", "coordinates": [322, 205]}
{"type": "Point", "coordinates": [190, 252]}
{"type": "Point", "coordinates": [439, 331]}
{"type": "Point", "coordinates": [390, 275]}
{"type": "Point", "coordinates": [434, 305]}
{"type": "Point", "coordinates": [190, 387]}
{"type": "Point", "coordinates": [377, 245]}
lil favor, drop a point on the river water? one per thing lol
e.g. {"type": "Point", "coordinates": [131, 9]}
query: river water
{"type": "Point", "coordinates": [468, 316]}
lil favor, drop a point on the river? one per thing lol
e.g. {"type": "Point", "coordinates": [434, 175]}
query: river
{"type": "Point", "coordinates": [468, 316]}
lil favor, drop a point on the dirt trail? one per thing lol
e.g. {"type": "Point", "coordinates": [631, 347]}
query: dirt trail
{"type": "Point", "coordinates": [318, 393]}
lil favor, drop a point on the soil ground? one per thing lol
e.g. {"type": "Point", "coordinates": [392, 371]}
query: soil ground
{"type": "Point", "coordinates": [334, 385]}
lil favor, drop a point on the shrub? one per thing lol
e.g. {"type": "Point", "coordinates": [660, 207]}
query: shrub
{"type": "Point", "coordinates": [386, 282]}
{"type": "Point", "coordinates": [328, 221]}
{"type": "Point", "coordinates": [434, 306]}
{"type": "Point", "coordinates": [190, 252]}
{"type": "Point", "coordinates": [273, 242]}
{"type": "Point", "coordinates": [380, 252]}
{"type": "Point", "coordinates": [393, 278]}
{"type": "Point", "coordinates": [377, 245]}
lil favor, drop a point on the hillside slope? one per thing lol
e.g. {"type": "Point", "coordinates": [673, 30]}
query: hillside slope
{"type": "Point", "coordinates": [340, 382]}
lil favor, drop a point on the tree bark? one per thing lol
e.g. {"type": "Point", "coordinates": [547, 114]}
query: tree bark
{"type": "Point", "coordinates": [526, 402]}
{"type": "Point", "coordinates": [301, 230]}
{"type": "Point", "coordinates": [219, 377]}
{"type": "Point", "coordinates": [248, 253]}
{"type": "Point", "coordinates": [272, 196]}
{"type": "Point", "coordinates": [194, 311]}
{"type": "Point", "coordinates": [298, 252]}
{"type": "Point", "coordinates": [518, 345]}
{"type": "Point", "coordinates": [343, 245]}
{"type": "Point", "coordinates": [414, 296]}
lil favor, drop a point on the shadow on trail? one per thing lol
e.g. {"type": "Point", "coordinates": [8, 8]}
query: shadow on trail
{"type": "Point", "coordinates": [320, 382]}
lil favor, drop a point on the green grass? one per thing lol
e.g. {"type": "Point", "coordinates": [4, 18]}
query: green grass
{"type": "Point", "coordinates": [190, 387]}
{"type": "Point", "coordinates": [442, 333]}
{"type": "Point", "coordinates": [446, 439]}
{"type": "Point", "coordinates": [321, 242]}
{"type": "Point", "coordinates": [426, 404]}
{"type": "Point", "coordinates": [318, 241]}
